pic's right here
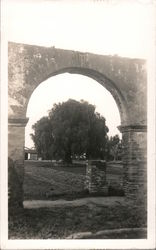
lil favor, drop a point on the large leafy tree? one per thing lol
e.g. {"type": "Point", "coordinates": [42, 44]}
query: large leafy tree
{"type": "Point", "coordinates": [42, 137]}
{"type": "Point", "coordinates": [74, 129]}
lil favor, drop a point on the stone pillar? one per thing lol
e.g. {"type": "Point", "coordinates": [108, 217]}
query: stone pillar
{"type": "Point", "coordinates": [16, 141]}
{"type": "Point", "coordinates": [96, 177]}
{"type": "Point", "coordinates": [135, 162]}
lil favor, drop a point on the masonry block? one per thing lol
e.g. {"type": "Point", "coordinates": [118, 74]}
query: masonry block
{"type": "Point", "coordinates": [96, 177]}
{"type": "Point", "coordinates": [135, 164]}
{"type": "Point", "coordinates": [124, 78]}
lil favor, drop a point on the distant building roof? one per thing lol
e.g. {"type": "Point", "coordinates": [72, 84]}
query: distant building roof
{"type": "Point", "coordinates": [30, 150]}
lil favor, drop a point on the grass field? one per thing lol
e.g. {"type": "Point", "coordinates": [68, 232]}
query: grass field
{"type": "Point", "coordinates": [46, 181]}
{"type": "Point", "coordinates": [42, 181]}
{"type": "Point", "coordinates": [60, 222]}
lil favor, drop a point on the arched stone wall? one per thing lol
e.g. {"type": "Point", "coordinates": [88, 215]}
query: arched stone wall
{"type": "Point", "coordinates": [29, 65]}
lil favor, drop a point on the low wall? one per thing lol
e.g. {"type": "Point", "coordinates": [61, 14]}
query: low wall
{"type": "Point", "coordinates": [96, 177]}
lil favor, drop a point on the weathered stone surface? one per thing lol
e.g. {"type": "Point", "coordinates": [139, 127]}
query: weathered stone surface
{"type": "Point", "coordinates": [124, 78]}
{"type": "Point", "coordinates": [110, 234]}
{"type": "Point", "coordinates": [15, 189]}
{"type": "Point", "coordinates": [135, 163]}
{"type": "Point", "coordinates": [96, 177]}
{"type": "Point", "coordinates": [16, 139]}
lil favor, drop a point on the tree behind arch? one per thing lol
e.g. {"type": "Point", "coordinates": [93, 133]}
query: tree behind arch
{"type": "Point", "coordinates": [42, 137]}
{"type": "Point", "coordinates": [75, 129]}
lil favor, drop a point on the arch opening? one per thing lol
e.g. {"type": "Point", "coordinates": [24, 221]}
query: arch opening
{"type": "Point", "coordinates": [60, 88]}
{"type": "Point", "coordinates": [99, 78]}
{"type": "Point", "coordinates": [120, 76]}
{"type": "Point", "coordinates": [64, 86]}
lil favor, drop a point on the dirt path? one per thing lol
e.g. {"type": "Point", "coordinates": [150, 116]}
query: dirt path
{"type": "Point", "coordinates": [74, 203]}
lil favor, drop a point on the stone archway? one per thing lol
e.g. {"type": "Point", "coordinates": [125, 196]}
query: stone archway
{"type": "Point", "coordinates": [29, 65]}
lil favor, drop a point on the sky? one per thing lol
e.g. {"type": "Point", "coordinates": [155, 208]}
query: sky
{"type": "Point", "coordinates": [110, 27]}
{"type": "Point", "coordinates": [64, 86]}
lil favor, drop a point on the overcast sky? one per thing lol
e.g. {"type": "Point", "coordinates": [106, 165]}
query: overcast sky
{"type": "Point", "coordinates": [102, 27]}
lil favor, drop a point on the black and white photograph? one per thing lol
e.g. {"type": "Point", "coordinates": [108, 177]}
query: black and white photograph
{"type": "Point", "coordinates": [78, 124]}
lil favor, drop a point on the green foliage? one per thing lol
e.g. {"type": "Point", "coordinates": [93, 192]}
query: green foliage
{"type": "Point", "coordinates": [72, 129]}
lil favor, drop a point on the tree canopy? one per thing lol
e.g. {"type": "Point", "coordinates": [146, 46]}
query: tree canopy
{"type": "Point", "coordinates": [71, 129]}
{"type": "Point", "coordinates": [42, 137]}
